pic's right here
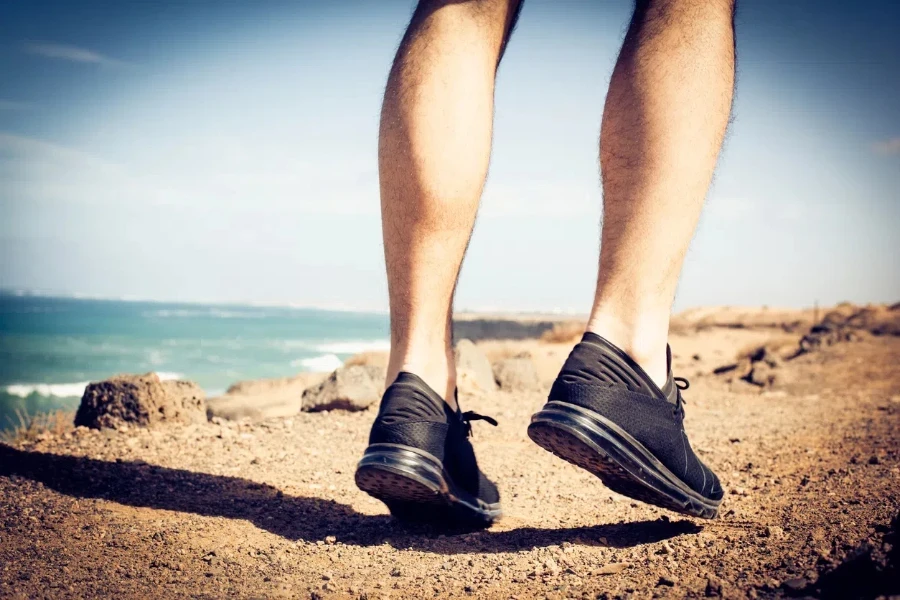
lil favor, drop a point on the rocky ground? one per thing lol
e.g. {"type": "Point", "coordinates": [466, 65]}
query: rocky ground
{"type": "Point", "coordinates": [808, 449]}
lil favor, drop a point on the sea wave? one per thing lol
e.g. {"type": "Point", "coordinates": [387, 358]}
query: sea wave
{"type": "Point", "coordinates": [57, 390]}
{"type": "Point", "coordinates": [169, 376]}
{"type": "Point", "coordinates": [65, 390]}
{"type": "Point", "coordinates": [319, 364]}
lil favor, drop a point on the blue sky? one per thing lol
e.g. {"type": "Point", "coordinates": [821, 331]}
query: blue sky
{"type": "Point", "coordinates": [227, 151]}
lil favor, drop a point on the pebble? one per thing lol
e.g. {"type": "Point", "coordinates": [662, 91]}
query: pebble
{"type": "Point", "coordinates": [611, 569]}
{"type": "Point", "coordinates": [794, 584]}
{"type": "Point", "coordinates": [773, 531]}
{"type": "Point", "coordinates": [666, 581]}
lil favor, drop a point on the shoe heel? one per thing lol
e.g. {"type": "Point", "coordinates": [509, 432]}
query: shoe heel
{"type": "Point", "coordinates": [398, 474]}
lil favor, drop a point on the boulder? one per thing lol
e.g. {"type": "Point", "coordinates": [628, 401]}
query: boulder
{"type": "Point", "coordinates": [473, 369]}
{"type": "Point", "coordinates": [371, 359]}
{"type": "Point", "coordinates": [261, 399]}
{"type": "Point", "coordinates": [762, 374]}
{"type": "Point", "coordinates": [142, 401]}
{"type": "Point", "coordinates": [348, 388]}
{"type": "Point", "coordinates": [516, 374]}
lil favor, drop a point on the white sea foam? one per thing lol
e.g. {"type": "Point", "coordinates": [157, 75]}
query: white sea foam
{"type": "Point", "coordinates": [66, 390]}
{"type": "Point", "coordinates": [169, 376]}
{"type": "Point", "coordinates": [58, 390]}
{"type": "Point", "coordinates": [319, 364]}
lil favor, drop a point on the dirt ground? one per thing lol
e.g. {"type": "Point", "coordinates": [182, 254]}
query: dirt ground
{"type": "Point", "coordinates": [811, 469]}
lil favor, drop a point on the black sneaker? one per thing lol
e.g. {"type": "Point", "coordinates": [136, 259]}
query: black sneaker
{"type": "Point", "coordinates": [606, 415]}
{"type": "Point", "coordinates": [420, 462]}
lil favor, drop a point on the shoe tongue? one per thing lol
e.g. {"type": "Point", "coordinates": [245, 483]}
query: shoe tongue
{"type": "Point", "coordinates": [609, 363]}
{"type": "Point", "coordinates": [669, 389]}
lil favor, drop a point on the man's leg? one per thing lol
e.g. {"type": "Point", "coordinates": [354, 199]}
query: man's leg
{"type": "Point", "coordinates": [433, 154]}
{"type": "Point", "coordinates": [616, 408]}
{"type": "Point", "coordinates": [665, 118]}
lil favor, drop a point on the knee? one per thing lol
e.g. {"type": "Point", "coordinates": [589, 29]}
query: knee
{"type": "Point", "coordinates": [491, 20]}
{"type": "Point", "coordinates": [712, 8]}
{"type": "Point", "coordinates": [495, 15]}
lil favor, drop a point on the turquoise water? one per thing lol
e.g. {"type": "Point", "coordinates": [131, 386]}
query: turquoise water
{"type": "Point", "coordinates": [51, 347]}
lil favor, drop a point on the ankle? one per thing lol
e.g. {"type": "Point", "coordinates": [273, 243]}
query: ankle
{"type": "Point", "coordinates": [643, 339]}
{"type": "Point", "coordinates": [437, 369]}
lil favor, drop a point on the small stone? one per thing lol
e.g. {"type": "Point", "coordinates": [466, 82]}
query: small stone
{"type": "Point", "coordinates": [330, 539]}
{"type": "Point", "coordinates": [873, 460]}
{"type": "Point", "coordinates": [713, 588]}
{"type": "Point", "coordinates": [773, 531]}
{"type": "Point", "coordinates": [326, 576]}
{"type": "Point", "coordinates": [611, 569]}
{"type": "Point", "coordinates": [551, 567]}
{"type": "Point", "coordinates": [666, 581]}
{"type": "Point", "coordinates": [794, 584]}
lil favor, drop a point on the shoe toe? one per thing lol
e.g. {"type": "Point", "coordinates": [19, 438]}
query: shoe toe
{"type": "Point", "coordinates": [487, 490]}
{"type": "Point", "coordinates": [714, 490]}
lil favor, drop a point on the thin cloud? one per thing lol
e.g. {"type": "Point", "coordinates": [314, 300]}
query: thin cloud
{"type": "Point", "coordinates": [72, 54]}
{"type": "Point", "coordinates": [891, 146]}
{"type": "Point", "coordinates": [13, 105]}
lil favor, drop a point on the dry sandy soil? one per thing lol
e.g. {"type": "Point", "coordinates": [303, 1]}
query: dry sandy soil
{"type": "Point", "coordinates": [811, 469]}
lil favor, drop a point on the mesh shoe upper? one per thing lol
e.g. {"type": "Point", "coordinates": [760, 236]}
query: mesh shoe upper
{"type": "Point", "coordinates": [412, 414]}
{"type": "Point", "coordinates": [600, 377]}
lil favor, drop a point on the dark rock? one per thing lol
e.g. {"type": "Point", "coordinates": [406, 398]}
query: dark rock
{"type": "Point", "coordinates": [795, 584]}
{"type": "Point", "coordinates": [140, 400]}
{"type": "Point", "coordinates": [348, 388]}
{"type": "Point", "coordinates": [761, 374]}
{"type": "Point", "coordinates": [870, 571]}
{"type": "Point", "coordinates": [713, 588]}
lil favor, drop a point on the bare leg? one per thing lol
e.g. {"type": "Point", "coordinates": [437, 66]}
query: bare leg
{"type": "Point", "coordinates": [433, 154]}
{"type": "Point", "coordinates": [665, 118]}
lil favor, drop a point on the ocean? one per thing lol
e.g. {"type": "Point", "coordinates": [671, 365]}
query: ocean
{"type": "Point", "coordinates": [51, 348]}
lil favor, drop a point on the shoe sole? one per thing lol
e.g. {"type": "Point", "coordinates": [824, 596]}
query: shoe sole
{"type": "Point", "coordinates": [596, 444]}
{"type": "Point", "coordinates": [415, 487]}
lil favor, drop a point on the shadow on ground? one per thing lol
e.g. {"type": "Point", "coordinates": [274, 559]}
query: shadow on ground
{"type": "Point", "coordinates": [141, 484]}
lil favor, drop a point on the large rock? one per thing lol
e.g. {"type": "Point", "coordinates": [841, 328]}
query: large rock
{"type": "Point", "coordinates": [516, 374]}
{"type": "Point", "coordinates": [348, 388]}
{"type": "Point", "coordinates": [140, 400]}
{"type": "Point", "coordinates": [261, 399]}
{"type": "Point", "coordinates": [473, 369]}
{"type": "Point", "coordinates": [371, 359]}
{"type": "Point", "coordinates": [758, 366]}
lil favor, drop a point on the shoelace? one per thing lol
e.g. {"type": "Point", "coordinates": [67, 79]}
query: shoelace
{"type": "Point", "coordinates": [682, 384]}
{"type": "Point", "coordinates": [469, 416]}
